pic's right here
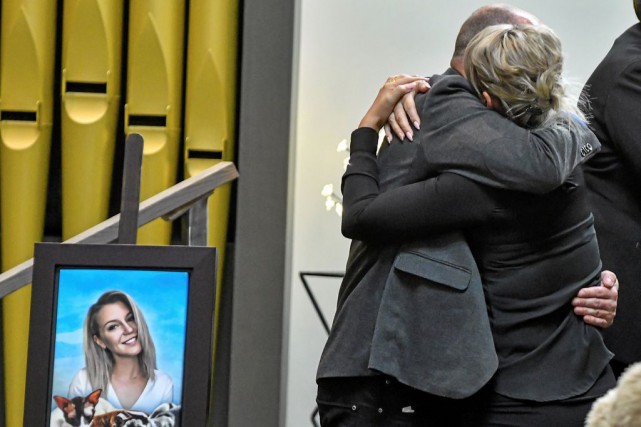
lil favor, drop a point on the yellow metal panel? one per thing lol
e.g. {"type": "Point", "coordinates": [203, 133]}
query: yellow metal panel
{"type": "Point", "coordinates": [154, 94]}
{"type": "Point", "coordinates": [209, 107]}
{"type": "Point", "coordinates": [26, 110]}
{"type": "Point", "coordinates": [91, 63]}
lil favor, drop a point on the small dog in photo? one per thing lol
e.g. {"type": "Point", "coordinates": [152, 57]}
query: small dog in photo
{"type": "Point", "coordinates": [94, 411]}
{"type": "Point", "coordinates": [79, 411]}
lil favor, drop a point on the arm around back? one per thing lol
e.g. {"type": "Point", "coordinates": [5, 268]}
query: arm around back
{"type": "Point", "coordinates": [460, 134]}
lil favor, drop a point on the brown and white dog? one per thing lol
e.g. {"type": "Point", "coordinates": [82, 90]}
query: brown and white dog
{"type": "Point", "coordinates": [78, 411]}
{"type": "Point", "coordinates": [122, 418]}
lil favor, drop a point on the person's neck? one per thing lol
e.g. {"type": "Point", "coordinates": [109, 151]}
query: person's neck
{"type": "Point", "coordinates": [126, 368]}
{"type": "Point", "coordinates": [456, 64]}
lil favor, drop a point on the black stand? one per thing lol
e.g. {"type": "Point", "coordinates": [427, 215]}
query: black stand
{"type": "Point", "coordinates": [130, 198]}
{"type": "Point", "coordinates": [319, 312]}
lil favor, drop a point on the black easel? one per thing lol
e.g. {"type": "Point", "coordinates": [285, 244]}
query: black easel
{"type": "Point", "coordinates": [130, 198]}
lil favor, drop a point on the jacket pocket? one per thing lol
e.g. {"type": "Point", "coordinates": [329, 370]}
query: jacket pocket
{"type": "Point", "coordinates": [435, 270]}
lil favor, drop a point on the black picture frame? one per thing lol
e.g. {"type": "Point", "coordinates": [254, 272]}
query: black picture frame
{"type": "Point", "coordinates": [50, 259]}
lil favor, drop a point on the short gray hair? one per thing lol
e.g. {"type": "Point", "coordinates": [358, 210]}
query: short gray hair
{"type": "Point", "coordinates": [521, 66]}
{"type": "Point", "coordinates": [486, 16]}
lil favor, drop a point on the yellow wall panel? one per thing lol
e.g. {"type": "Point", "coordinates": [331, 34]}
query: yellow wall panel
{"type": "Point", "coordinates": [90, 94]}
{"type": "Point", "coordinates": [210, 106]}
{"type": "Point", "coordinates": [26, 109]}
{"type": "Point", "coordinates": [154, 97]}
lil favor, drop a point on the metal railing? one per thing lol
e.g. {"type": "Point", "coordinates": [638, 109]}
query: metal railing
{"type": "Point", "coordinates": [189, 196]}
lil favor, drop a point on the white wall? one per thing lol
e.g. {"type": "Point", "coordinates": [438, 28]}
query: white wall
{"type": "Point", "coordinates": [346, 49]}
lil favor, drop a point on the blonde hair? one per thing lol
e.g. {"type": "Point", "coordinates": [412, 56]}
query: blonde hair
{"type": "Point", "coordinates": [521, 66]}
{"type": "Point", "coordinates": [99, 362]}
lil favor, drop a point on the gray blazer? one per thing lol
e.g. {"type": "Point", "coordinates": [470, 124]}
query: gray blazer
{"type": "Point", "coordinates": [433, 311]}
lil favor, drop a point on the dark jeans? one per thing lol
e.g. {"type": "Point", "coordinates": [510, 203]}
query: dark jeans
{"type": "Point", "coordinates": [382, 401]}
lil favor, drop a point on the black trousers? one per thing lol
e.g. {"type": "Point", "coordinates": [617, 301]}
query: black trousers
{"type": "Point", "coordinates": [382, 401]}
{"type": "Point", "coordinates": [618, 367]}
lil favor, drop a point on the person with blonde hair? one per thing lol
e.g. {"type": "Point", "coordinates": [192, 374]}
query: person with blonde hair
{"type": "Point", "coordinates": [518, 70]}
{"type": "Point", "coordinates": [120, 357]}
{"type": "Point", "coordinates": [534, 251]}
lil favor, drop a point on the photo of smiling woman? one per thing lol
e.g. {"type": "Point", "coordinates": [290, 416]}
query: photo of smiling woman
{"type": "Point", "coordinates": [120, 357]}
{"type": "Point", "coordinates": [121, 331]}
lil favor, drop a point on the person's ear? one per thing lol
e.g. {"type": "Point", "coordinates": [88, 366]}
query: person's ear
{"type": "Point", "coordinates": [487, 100]}
{"type": "Point", "coordinates": [99, 342]}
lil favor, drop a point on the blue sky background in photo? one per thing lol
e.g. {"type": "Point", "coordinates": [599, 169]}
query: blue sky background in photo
{"type": "Point", "coordinates": [160, 295]}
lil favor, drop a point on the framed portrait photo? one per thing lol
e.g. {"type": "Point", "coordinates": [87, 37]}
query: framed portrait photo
{"type": "Point", "coordinates": [120, 335]}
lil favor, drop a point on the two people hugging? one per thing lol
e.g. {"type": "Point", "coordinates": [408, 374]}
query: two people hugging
{"type": "Point", "coordinates": [467, 256]}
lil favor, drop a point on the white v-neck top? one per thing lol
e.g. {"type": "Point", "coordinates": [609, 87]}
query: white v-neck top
{"type": "Point", "coordinates": [157, 391]}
